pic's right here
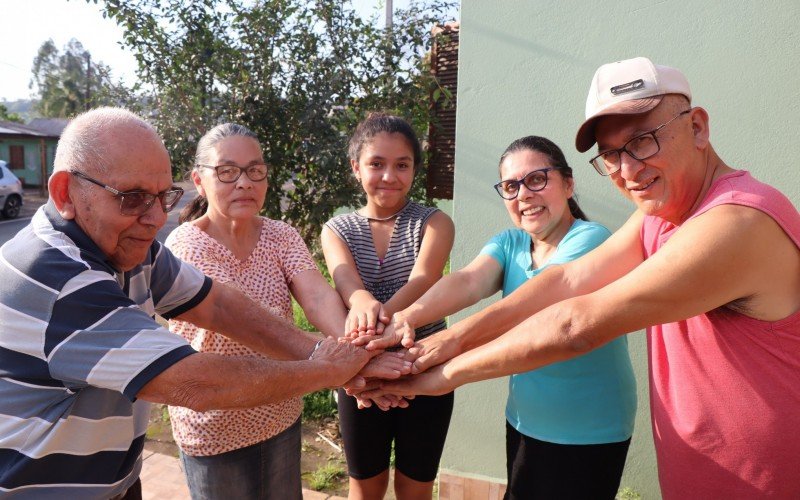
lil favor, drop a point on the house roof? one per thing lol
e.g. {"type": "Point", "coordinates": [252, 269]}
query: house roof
{"type": "Point", "coordinates": [19, 129]}
{"type": "Point", "coordinates": [49, 126]}
{"type": "Point", "coordinates": [39, 127]}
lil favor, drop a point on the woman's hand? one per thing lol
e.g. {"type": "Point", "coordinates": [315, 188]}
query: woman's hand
{"type": "Point", "coordinates": [433, 350]}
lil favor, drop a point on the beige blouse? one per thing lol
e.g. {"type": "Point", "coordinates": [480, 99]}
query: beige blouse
{"type": "Point", "coordinates": [279, 256]}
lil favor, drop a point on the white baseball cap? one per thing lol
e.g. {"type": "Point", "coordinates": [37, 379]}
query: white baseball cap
{"type": "Point", "coordinates": [628, 87]}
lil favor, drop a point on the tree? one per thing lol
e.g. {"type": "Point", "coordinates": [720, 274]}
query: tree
{"type": "Point", "coordinates": [8, 117]}
{"type": "Point", "coordinates": [69, 82]}
{"type": "Point", "coordinates": [299, 73]}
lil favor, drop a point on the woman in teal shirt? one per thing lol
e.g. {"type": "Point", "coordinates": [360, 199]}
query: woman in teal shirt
{"type": "Point", "coordinates": [568, 424]}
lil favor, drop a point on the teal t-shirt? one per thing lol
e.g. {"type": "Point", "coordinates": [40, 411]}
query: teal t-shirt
{"type": "Point", "coordinates": [590, 399]}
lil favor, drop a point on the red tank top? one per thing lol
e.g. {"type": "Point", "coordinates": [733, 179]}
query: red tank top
{"type": "Point", "coordinates": [724, 387]}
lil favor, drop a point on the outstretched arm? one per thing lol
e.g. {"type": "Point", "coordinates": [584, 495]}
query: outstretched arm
{"type": "Point", "coordinates": [206, 381]}
{"type": "Point", "coordinates": [434, 251]}
{"type": "Point", "coordinates": [690, 275]}
{"type": "Point", "coordinates": [364, 309]}
{"type": "Point", "coordinates": [321, 304]}
{"type": "Point", "coordinates": [612, 259]}
{"type": "Point", "coordinates": [479, 279]}
{"type": "Point", "coordinates": [238, 317]}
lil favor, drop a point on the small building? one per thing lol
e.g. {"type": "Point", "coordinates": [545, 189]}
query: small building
{"type": "Point", "coordinates": [30, 149]}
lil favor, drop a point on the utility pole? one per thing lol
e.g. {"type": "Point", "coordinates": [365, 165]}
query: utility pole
{"type": "Point", "coordinates": [88, 80]}
{"type": "Point", "coordinates": [389, 15]}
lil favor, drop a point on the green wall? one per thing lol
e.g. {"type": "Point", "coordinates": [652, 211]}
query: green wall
{"type": "Point", "coordinates": [32, 173]}
{"type": "Point", "coordinates": [525, 68]}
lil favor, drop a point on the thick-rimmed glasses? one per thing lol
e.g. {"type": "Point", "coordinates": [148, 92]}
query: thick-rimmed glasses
{"type": "Point", "coordinates": [231, 173]}
{"type": "Point", "coordinates": [534, 181]}
{"type": "Point", "coordinates": [137, 202]}
{"type": "Point", "coordinates": [641, 147]}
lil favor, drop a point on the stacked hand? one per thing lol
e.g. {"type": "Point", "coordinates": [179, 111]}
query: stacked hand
{"type": "Point", "coordinates": [392, 387]}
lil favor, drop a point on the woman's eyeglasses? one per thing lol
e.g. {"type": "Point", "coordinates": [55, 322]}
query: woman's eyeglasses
{"type": "Point", "coordinates": [534, 181]}
{"type": "Point", "coordinates": [231, 173]}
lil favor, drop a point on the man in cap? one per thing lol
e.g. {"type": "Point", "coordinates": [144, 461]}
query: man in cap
{"type": "Point", "coordinates": [709, 264]}
{"type": "Point", "coordinates": [78, 341]}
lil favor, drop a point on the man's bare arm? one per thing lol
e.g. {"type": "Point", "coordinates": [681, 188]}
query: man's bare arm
{"type": "Point", "coordinates": [235, 315]}
{"type": "Point", "coordinates": [730, 254]}
{"type": "Point", "coordinates": [206, 381]}
{"type": "Point", "coordinates": [608, 262]}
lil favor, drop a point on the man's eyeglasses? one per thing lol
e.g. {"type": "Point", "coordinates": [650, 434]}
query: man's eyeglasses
{"type": "Point", "coordinates": [137, 202]}
{"type": "Point", "coordinates": [534, 181]}
{"type": "Point", "coordinates": [641, 147]}
{"type": "Point", "coordinates": [231, 173]}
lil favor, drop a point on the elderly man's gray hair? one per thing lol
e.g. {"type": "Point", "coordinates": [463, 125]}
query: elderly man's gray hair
{"type": "Point", "coordinates": [84, 143]}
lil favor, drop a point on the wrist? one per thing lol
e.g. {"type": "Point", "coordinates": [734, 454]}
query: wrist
{"type": "Point", "coordinates": [360, 297]}
{"type": "Point", "coordinates": [316, 346]}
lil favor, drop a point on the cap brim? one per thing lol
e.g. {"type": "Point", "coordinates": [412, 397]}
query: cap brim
{"type": "Point", "coordinates": [585, 138]}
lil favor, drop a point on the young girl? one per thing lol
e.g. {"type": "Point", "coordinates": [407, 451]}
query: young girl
{"type": "Point", "coordinates": [382, 258]}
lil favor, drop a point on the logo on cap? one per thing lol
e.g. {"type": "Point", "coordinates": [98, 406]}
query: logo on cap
{"type": "Point", "coordinates": [627, 87]}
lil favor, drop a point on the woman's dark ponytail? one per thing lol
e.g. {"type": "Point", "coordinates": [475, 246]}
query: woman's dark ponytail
{"type": "Point", "coordinates": [194, 209]}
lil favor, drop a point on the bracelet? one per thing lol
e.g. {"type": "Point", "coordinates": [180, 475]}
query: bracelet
{"type": "Point", "coordinates": [316, 346]}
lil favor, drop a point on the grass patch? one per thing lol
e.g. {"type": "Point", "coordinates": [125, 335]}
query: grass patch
{"type": "Point", "coordinates": [326, 477]}
{"type": "Point", "coordinates": [628, 493]}
{"type": "Point", "coordinates": [319, 405]}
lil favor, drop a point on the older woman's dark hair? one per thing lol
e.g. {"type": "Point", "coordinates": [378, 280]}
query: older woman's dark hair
{"type": "Point", "coordinates": [205, 147]}
{"type": "Point", "coordinates": [557, 161]}
{"type": "Point", "coordinates": [376, 123]}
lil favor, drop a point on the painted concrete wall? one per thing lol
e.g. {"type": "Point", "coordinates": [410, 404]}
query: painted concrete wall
{"type": "Point", "coordinates": [525, 67]}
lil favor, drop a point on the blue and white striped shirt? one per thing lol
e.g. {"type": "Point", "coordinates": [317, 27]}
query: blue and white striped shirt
{"type": "Point", "coordinates": [78, 340]}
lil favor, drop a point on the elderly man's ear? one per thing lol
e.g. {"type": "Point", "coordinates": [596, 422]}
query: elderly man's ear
{"type": "Point", "coordinates": [700, 127]}
{"type": "Point", "coordinates": [59, 193]}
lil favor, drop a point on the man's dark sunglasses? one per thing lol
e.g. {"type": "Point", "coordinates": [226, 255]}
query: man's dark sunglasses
{"type": "Point", "coordinates": [137, 202]}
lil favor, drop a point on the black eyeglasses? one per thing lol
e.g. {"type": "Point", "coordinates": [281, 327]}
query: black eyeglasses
{"type": "Point", "coordinates": [534, 181]}
{"type": "Point", "coordinates": [137, 202]}
{"type": "Point", "coordinates": [231, 173]}
{"type": "Point", "coordinates": [641, 147]}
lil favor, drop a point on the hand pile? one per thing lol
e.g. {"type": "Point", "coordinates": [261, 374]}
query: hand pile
{"type": "Point", "coordinates": [393, 377]}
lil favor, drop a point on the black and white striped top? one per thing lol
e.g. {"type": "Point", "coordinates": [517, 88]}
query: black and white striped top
{"type": "Point", "coordinates": [384, 278]}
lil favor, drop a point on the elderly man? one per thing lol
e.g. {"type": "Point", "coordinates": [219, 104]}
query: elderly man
{"type": "Point", "coordinates": [78, 341]}
{"type": "Point", "coordinates": [709, 263]}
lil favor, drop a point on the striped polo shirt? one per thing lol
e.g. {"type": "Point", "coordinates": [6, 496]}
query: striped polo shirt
{"type": "Point", "coordinates": [383, 278]}
{"type": "Point", "coordinates": [78, 340]}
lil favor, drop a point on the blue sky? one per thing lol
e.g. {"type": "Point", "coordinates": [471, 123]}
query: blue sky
{"type": "Point", "coordinates": [28, 23]}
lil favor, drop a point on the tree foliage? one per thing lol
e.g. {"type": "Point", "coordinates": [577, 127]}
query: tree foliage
{"type": "Point", "coordinates": [299, 73]}
{"type": "Point", "coordinates": [69, 82]}
{"type": "Point", "coordinates": [7, 116]}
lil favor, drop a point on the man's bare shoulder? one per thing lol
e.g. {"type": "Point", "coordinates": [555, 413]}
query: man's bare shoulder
{"type": "Point", "coordinates": [754, 247]}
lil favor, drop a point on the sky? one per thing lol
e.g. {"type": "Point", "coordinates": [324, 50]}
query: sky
{"type": "Point", "coordinates": [29, 23]}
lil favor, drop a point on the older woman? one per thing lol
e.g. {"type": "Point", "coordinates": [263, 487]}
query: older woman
{"type": "Point", "coordinates": [252, 453]}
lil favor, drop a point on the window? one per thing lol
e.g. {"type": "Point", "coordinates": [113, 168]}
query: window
{"type": "Point", "coordinates": [16, 157]}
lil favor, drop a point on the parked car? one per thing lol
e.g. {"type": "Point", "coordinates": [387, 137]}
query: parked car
{"type": "Point", "coordinates": [10, 192]}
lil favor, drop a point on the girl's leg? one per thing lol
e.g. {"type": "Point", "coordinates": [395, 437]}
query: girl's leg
{"type": "Point", "coordinates": [406, 488]}
{"type": "Point", "coordinates": [421, 432]}
{"type": "Point", "coordinates": [373, 488]}
{"type": "Point", "coordinates": [367, 436]}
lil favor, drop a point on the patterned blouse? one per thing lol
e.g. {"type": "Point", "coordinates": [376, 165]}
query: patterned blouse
{"type": "Point", "coordinates": [279, 256]}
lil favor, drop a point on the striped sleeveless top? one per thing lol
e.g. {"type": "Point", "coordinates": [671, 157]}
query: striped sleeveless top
{"type": "Point", "coordinates": [384, 278]}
